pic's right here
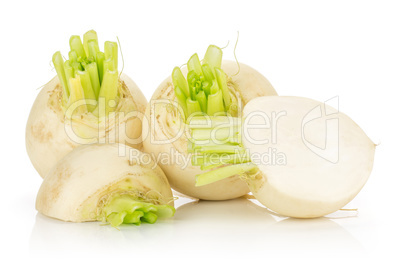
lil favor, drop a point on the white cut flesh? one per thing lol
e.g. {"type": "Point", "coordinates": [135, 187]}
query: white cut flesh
{"type": "Point", "coordinates": [316, 159]}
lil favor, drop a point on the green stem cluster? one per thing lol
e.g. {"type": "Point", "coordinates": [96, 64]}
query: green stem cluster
{"type": "Point", "coordinates": [124, 209]}
{"type": "Point", "coordinates": [215, 142]}
{"type": "Point", "coordinates": [89, 74]}
{"type": "Point", "coordinates": [205, 90]}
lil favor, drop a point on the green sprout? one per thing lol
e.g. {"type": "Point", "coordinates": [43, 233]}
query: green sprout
{"type": "Point", "coordinates": [89, 74]}
{"type": "Point", "coordinates": [124, 209]}
{"type": "Point", "coordinates": [205, 90]}
{"type": "Point", "coordinates": [216, 144]}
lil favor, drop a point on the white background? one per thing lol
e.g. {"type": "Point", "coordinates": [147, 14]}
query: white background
{"type": "Point", "coordinates": [316, 49]}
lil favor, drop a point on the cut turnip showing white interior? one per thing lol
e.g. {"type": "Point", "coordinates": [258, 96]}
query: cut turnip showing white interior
{"type": "Point", "coordinates": [306, 159]}
{"type": "Point", "coordinates": [111, 183]}
{"type": "Point", "coordinates": [328, 157]}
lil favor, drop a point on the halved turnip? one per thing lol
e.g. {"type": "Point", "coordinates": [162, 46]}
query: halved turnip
{"type": "Point", "coordinates": [300, 157]}
{"type": "Point", "coordinates": [210, 86]}
{"type": "Point", "coordinates": [110, 183]}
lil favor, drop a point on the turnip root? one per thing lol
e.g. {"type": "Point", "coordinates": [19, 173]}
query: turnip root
{"type": "Point", "coordinates": [319, 158]}
{"type": "Point", "coordinates": [86, 103]}
{"type": "Point", "coordinates": [211, 87]}
{"type": "Point", "coordinates": [107, 183]}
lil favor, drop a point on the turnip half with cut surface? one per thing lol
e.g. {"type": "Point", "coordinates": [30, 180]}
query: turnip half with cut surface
{"type": "Point", "coordinates": [305, 159]}
{"type": "Point", "coordinates": [112, 183]}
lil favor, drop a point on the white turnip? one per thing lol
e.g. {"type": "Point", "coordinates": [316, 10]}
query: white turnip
{"type": "Point", "coordinates": [109, 183]}
{"type": "Point", "coordinates": [212, 87]}
{"type": "Point", "coordinates": [88, 102]}
{"type": "Point", "coordinates": [300, 157]}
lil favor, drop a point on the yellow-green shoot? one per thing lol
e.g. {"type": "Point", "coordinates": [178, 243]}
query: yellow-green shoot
{"type": "Point", "coordinates": [205, 90]}
{"type": "Point", "coordinates": [89, 74]}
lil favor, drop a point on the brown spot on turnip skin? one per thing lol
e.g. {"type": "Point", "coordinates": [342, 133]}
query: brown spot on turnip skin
{"type": "Point", "coordinates": [125, 93]}
{"type": "Point", "coordinates": [54, 101]}
{"type": "Point", "coordinates": [61, 175]}
{"type": "Point", "coordinates": [181, 145]}
{"type": "Point", "coordinates": [162, 91]}
{"type": "Point", "coordinates": [165, 91]}
{"type": "Point", "coordinates": [131, 162]}
{"type": "Point", "coordinates": [39, 132]}
{"type": "Point", "coordinates": [170, 92]}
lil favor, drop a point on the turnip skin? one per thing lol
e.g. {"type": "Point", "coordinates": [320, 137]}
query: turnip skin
{"type": "Point", "coordinates": [247, 84]}
{"type": "Point", "coordinates": [308, 185]}
{"type": "Point", "coordinates": [78, 184]}
{"type": "Point", "coordinates": [46, 138]}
